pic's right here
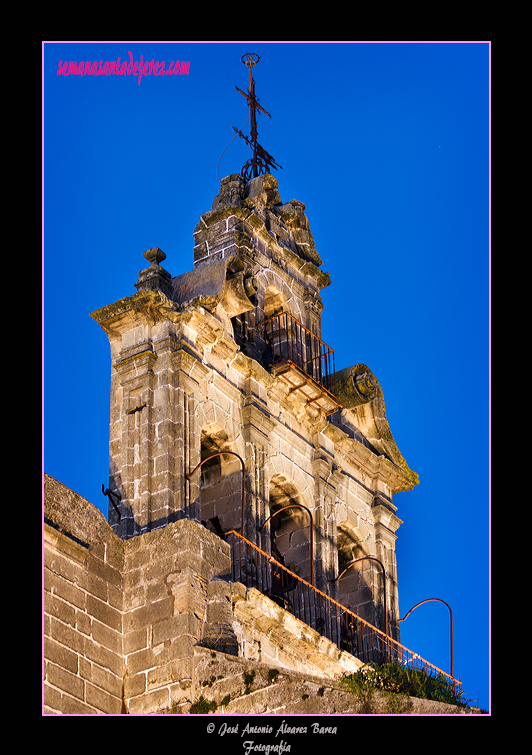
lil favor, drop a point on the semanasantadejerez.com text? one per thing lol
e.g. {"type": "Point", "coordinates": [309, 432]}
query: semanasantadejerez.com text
{"type": "Point", "coordinates": [125, 68]}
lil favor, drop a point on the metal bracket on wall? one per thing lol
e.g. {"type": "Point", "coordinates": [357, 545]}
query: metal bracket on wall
{"type": "Point", "coordinates": [111, 496]}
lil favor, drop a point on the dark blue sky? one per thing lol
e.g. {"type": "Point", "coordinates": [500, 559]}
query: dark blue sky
{"type": "Point", "coordinates": [387, 145]}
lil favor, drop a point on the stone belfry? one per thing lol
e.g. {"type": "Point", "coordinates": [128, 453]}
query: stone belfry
{"type": "Point", "coordinates": [227, 409]}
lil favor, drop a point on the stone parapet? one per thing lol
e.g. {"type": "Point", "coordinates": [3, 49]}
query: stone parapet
{"type": "Point", "coordinates": [124, 620]}
{"type": "Point", "coordinates": [83, 564]}
{"type": "Point", "coordinates": [226, 685]}
{"type": "Point", "coordinates": [154, 624]}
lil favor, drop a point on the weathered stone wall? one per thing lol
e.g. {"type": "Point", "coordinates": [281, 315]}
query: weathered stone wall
{"type": "Point", "coordinates": [224, 685]}
{"type": "Point", "coordinates": [193, 371]}
{"type": "Point", "coordinates": [170, 406]}
{"type": "Point", "coordinates": [271, 635]}
{"type": "Point", "coordinates": [83, 606]}
{"type": "Point", "coordinates": [154, 624]}
{"type": "Point", "coordinates": [124, 619]}
{"type": "Point", "coordinates": [168, 578]}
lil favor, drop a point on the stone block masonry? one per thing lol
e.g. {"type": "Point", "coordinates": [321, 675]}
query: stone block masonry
{"type": "Point", "coordinates": [225, 685]}
{"type": "Point", "coordinates": [202, 363]}
{"type": "Point", "coordinates": [154, 624]}
{"type": "Point", "coordinates": [125, 619]}
{"type": "Point", "coordinates": [166, 579]}
{"type": "Point", "coordinates": [83, 607]}
{"type": "Point", "coordinates": [122, 618]}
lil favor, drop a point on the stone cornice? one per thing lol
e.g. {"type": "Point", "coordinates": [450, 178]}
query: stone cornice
{"type": "Point", "coordinates": [151, 304]}
{"type": "Point", "coordinates": [365, 459]}
{"type": "Point", "coordinates": [384, 517]}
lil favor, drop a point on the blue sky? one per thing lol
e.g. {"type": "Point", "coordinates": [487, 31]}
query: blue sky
{"type": "Point", "coordinates": [388, 147]}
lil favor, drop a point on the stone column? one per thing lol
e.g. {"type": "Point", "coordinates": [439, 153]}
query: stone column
{"type": "Point", "coordinates": [257, 427]}
{"type": "Point", "coordinates": [135, 462]}
{"type": "Point", "coordinates": [325, 549]}
{"type": "Point", "coordinates": [189, 372]}
{"type": "Point", "coordinates": [386, 525]}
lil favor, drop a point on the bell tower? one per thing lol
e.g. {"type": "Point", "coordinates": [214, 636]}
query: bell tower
{"type": "Point", "coordinates": [227, 407]}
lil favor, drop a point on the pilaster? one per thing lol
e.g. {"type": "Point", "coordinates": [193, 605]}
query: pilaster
{"type": "Point", "coordinates": [326, 480]}
{"type": "Point", "coordinates": [135, 460]}
{"type": "Point", "coordinates": [386, 524]}
{"type": "Point", "coordinates": [189, 374]}
{"type": "Point", "coordinates": [257, 426]}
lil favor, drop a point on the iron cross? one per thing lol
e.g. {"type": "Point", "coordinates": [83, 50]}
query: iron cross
{"type": "Point", "coordinates": [261, 162]}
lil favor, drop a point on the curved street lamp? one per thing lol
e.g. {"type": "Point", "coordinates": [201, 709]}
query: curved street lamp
{"type": "Point", "coordinates": [427, 600]}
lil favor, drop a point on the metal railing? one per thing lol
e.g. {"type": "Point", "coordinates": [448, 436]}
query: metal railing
{"type": "Point", "coordinates": [254, 567]}
{"type": "Point", "coordinates": [288, 340]}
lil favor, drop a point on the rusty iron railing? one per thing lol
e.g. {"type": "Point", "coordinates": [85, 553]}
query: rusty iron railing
{"type": "Point", "coordinates": [290, 341]}
{"type": "Point", "coordinates": [254, 567]}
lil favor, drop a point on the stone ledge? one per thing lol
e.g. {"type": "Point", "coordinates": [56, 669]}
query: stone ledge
{"type": "Point", "coordinates": [238, 686]}
{"type": "Point", "coordinates": [284, 640]}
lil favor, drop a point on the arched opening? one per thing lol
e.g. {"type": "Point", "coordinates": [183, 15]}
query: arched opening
{"type": "Point", "coordinates": [243, 324]}
{"type": "Point", "coordinates": [290, 533]}
{"type": "Point", "coordinates": [360, 586]}
{"type": "Point", "coordinates": [274, 302]}
{"type": "Point", "coordinates": [220, 482]}
{"type": "Point", "coordinates": [275, 328]}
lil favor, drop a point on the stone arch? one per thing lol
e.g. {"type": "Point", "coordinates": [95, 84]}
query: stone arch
{"type": "Point", "coordinates": [210, 414]}
{"type": "Point", "coordinates": [290, 528]}
{"type": "Point", "coordinates": [359, 587]}
{"type": "Point", "coordinates": [220, 481]}
{"type": "Point", "coordinates": [274, 302]}
{"type": "Point", "coordinates": [281, 469]}
{"type": "Point", "coordinates": [277, 290]}
{"type": "Point", "coordinates": [273, 296]}
{"type": "Point", "coordinates": [351, 544]}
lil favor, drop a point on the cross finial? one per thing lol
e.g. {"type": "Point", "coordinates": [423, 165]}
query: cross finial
{"type": "Point", "coordinates": [261, 162]}
{"type": "Point", "coordinates": [251, 59]}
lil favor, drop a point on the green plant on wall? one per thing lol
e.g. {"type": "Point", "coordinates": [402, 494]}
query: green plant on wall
{"type": "Point", "coordinates": [403, 681]}
{"type": "Point", "coordinates": [248, 679]}
{"type": "Point", "coordinates": [202, 706]}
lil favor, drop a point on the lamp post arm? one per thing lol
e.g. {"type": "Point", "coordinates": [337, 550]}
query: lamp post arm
{"type": "Point", "coordinates": [427, 600]}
